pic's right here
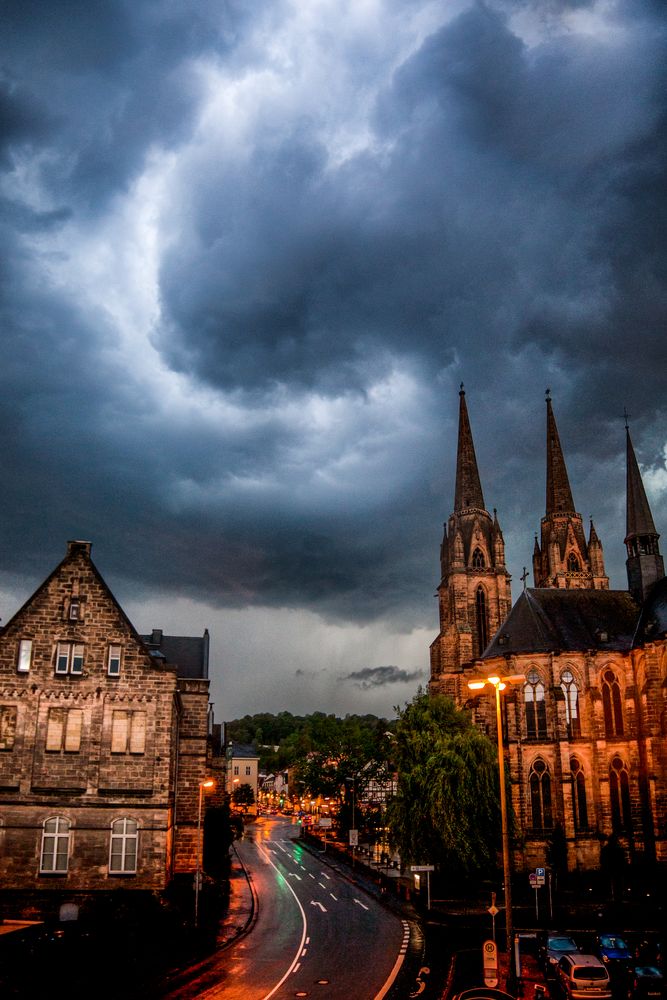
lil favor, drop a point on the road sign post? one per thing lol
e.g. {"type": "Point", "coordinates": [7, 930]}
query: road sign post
{"type": "Point", "coordinates": [490, 963]}
{"type": "Point", "coordinates": [428, 869]}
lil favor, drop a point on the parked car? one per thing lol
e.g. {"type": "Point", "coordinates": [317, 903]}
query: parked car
{"type": "Point", "coordinates": [553, 948]}
{"type": "Point", "coordinates": [613, 949]}
{"type": "Point", "coordinates": [648, 983]}
{"type": "Point", "coordinates": [583, 977]}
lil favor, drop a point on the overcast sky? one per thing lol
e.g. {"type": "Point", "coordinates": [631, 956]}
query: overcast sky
{"type": "Point", "coordinates": [249, 252]}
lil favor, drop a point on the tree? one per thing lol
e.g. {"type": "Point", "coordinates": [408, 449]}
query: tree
{"type": "Point", "coordinates": [447, 808]}
{"type": "Point", "coordinates": [243, 795]}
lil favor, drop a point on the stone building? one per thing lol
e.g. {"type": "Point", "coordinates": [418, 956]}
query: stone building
{"type": "Point", "coordinates": [586, 729]}
{"type": "Point", "coordinates": [102, 746]}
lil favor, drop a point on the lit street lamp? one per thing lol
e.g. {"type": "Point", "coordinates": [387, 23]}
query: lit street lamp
{"type": "Point", "coordinates": [499, 684]}
{"type": "Point", "coordinates": [209, 783]}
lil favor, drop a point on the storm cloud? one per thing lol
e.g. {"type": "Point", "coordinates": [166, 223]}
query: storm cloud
{"type": "Point", "coordinates": [250, 254]}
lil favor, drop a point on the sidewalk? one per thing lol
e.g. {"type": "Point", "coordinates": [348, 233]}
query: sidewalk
{"type": "Point", "coordinates": [242, 909]}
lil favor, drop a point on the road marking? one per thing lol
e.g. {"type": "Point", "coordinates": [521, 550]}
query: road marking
{"type": "Point", "coordinates": [308, 940]}
{"type": "Point", "coordinates": [293, 875]}
{"type": "Point", "coordinates": [359, 903]}
{"type": "Point", "coordinates": [397, 964]}
{"type": "Point", "coordinates": [296, 967]}
{"type": "Point", "coordinates": [333, 897]}
{"type": "Point", "coordinates": [314, 902]}
{"type": "Point", "coordinates": [325, 875]}
{"type": "Point", "coordinates": [304, 952]}
{"type": "Point", "coordinates": [295, 960]}
{"type": "Point", "coordinates": [311, 874]}
{"type": "Point", "coordinates": [322, 884]}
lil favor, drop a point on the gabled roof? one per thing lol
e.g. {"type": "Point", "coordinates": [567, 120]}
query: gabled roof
{"type": "Point", "coordinates": [189, 654]}
{"type": "Point", "coordinates": [547, 620]}
{"type": "Point", "coordinates": [244, 751]}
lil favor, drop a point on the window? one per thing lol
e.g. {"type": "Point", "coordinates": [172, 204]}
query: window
{"type": "Point", "coordinates": [236, 768]}
{"type": "Point", "coordinates": [113, 660]}
{"type": "Point", "coordinates": [8, 717]}
{"type": "Point", "coordinates": [478, 560]}
{"type": "Point", "coordinates": [612, 704]}
{"type": "Point", "coordinates": [69, 659]}
{"type": "Point", "coordinates": [482, 621]}
{"type": "Point", "coordinates": [74, 609]}
{"type": "Point", "coordinates": [55, 846]}
{"type": "Point", "coordinates": [573, 564]}
{"type": "Point", "coordinates": [128, 732]}
{"type": "Point", "coordinates": [571, 692]}
{"type": "Point", "coordinates": [535, 705]}
{"type": "Point", "coordinates": [540, 796]}
{"type": "Point", "coordinates": [579, 804]}
{"type": "Point", "coordinates": [247, 769]}
{"type": "Point", "coordinates": [123, 848]}
{"type": "Point", "coordinates": [63, 730]}
{"type": "Point", "coordinates": [25, 656]}
{"type": "Point", "coordinates": [619, 792]}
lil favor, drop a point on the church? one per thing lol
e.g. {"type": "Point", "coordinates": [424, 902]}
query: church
{"type": "Point", "coordinates": [585, 721]}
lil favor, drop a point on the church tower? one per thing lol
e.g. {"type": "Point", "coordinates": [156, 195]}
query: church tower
{"type": "Point", "coordinates": [474, 593]}
{"type": "Point", "coordinates": [644, 564]}
{"type": "Point", "coordinates": [564, 559]}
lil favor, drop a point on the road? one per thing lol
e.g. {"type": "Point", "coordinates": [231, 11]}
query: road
{"type": "Point", "coordinates": [316, 933]}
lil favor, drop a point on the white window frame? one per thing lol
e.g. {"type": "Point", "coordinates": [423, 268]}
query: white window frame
{"type": "Point", "coordinates": [25, 656]}
{"type": "Point", "coordinates": [248, 769]}
{"type": "Point", "coordinates": [114, 657]}
{"type": "Point", "coordinates": [69, 658]}
{"type": "Point", "coordinates": [53, 859]}
{"type": "Point", "coordinates": [124, 846]}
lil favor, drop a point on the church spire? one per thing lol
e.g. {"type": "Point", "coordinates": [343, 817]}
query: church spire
{"type": "Point", "coordinates": [644, 563]}
{"type": "Point", "coordinates": [559, 494]}
{"type": "Point", "coordinates": [468, 491]}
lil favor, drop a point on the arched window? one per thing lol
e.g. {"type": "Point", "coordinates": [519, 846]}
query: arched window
{"type": "Point", "coordinates": [612, 704]}
{"type": "Point", "coordinates": [571, 692]}
{"type": "Point", "coordinates": [478, 560]}
{"type": "Point", "coordinates": [482, 620]}
{"type": "Point", "coordinates": [540, 796]}
{"type": "Point", "coordinates": [573, 564]}
{"type": "Point", "coordinates": [579, 804]}
{"type": "Point", "coordinates": [535, 705]}
{"type": "Point", "coordinates": [54, 852]}
{"type": "Point", "coordinates": [123, 849]}
{"type": "Point", "coordinates": [619, 793]}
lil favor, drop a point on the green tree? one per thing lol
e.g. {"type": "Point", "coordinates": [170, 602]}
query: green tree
{"type": "Point", "coordinates": [447, 807]}
{"type": "Point", "coordinates": [243, 795]}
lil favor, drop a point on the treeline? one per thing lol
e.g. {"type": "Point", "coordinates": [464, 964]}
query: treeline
{"type": "Point", "coordinates": [298, 735]}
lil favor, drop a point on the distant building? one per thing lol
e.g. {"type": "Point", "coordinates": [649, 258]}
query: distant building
{"type": "Point", "coordinates": [243, 769]}
{"type": "Point", "coordinates": [586, 731]}
{"type": "Point", "coordinates": [103, 740]}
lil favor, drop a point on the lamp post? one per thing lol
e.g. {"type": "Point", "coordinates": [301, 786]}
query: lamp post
{"type": "Point", "coordinates": [208, 783]}
{"type": "Point", "coordinates": [354, 804]}
{"type": "Point", "coordinates": [499, 684]}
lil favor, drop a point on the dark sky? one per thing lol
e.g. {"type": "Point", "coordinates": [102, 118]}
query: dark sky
{"type": "Point", "coordinates": [249, 253]}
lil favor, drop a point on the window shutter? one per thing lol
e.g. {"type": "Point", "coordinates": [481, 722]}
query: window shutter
{"type": "Point", "coordinates": [138, 733]}
{"type": "Point", "coordinates": [73, 729]}
{"type": "Point", "coordinates": [119, 732]}
{"type": "Point", "coordinates": [54, 728]}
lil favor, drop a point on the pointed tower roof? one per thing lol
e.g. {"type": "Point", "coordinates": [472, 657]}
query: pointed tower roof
{"type": "Point", "coordinates": [559, 494]}
{"type": "Point", "coordinates": [639, 520]}
{"type": "Point", "coordinates": [468, 486]}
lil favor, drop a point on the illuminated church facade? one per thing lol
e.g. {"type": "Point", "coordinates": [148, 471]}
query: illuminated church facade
{"type": "Point", "coordinates": [585, 730]}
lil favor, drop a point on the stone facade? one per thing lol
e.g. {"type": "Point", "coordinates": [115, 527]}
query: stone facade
{"type": "Point", "coordinates": [585, 729]}
{"type": "Point", "coordinates": [101, 746]}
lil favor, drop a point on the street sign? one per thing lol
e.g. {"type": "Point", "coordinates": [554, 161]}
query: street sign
{"type": "Point", "coordinates": [354, 838]}
{"type": "Point", "coordinates": [422, 868]}
{"type": "Point", "coordinates": [532, 878]}
{"type": "Point", "coordinates": [541, 875]}
{"type": "Point", "coordinates": [490, 963]}
{"type": "Point", "coordinates": [324, 822]}
{"type": "Point", "coordinates": [493, 910]}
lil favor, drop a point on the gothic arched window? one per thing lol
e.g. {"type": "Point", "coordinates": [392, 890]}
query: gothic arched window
{"type": "Point", "coordinates": [579, 804]}
{"type": "Point", "coordinates": [573, 564]}
{"type": "Point", "coordinates": [482, 620]}
{"type": "Point", "coordinates": [619, 794]}
{"type": "Point", "coordinates": [55, 846]}
{"type": "Point", "coordinates": [539, 783]}
{"type": "Point", "coordinates": [612, 704]}
{"type": "Point", "coordinates": [571, 692]}
{"type": "Point", "coordinates": [478, 560]}
{"type": "Point", "coordinates": [535, 706]}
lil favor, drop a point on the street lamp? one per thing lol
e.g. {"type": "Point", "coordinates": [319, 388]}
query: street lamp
{"type": "Point", "coordinates": [499, 684]}
{"type": "Point", "coordinates": [208, 783]}
{"type": "Point", "coordinates": [354, 803]}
